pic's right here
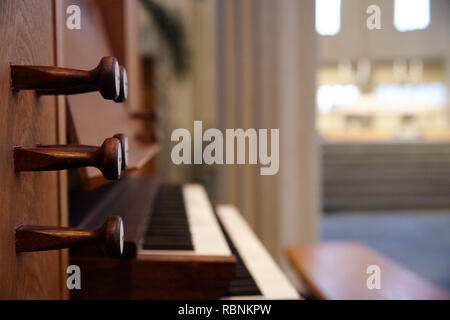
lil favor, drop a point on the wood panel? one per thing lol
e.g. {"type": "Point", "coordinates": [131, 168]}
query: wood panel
{"type": "Point", "coordinates": [27, 37]}
{"type": "Point", "coordinates": [162, 277]}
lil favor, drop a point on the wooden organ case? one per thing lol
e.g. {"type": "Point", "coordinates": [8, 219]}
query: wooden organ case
{"type": "Point", "coordinates": [175, 244]}
{"type": "Point", "coordinates": [29, 36]}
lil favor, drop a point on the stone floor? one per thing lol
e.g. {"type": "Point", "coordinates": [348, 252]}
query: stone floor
{"type": "Point", "coordinates": [419, 240]}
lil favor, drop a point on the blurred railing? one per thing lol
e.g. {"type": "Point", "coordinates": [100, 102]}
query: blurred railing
{"type": "Point", "coordinates": [386, 175]}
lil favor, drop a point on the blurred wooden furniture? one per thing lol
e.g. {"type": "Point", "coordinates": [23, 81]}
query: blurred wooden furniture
{"type": "Point", "coordinates": [337, 270]}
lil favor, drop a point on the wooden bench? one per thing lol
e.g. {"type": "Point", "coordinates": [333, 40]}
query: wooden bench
{"type": "Point", "coordinates": [337, 271]}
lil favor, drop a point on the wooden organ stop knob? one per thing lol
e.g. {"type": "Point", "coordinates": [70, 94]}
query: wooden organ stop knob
{"type": "Point", "coordinates": [107, 158]}
{"type": "Point", "coordinates": [123, 145]}
{"type": "Point", "coordinates": [41, 238]}
{"type": "Point", "coordinates": [49, 80]}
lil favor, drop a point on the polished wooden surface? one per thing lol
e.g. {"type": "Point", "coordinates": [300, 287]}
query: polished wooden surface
{"type": "Point", "coordinates": [155, 277]}
{"type": "Point", "coordinates": [337, 270]}
{"type": "Point", "coordinates": [27, 37]}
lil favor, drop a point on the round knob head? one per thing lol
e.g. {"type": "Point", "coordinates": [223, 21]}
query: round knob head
{"type": "Point", "coordinates": [114, 235]}
{"type": "Point", "coordinates": [108, 72]}
{"type": "Point", "coordinates": [111, 161]}
{"type": "Point", "coordinates": [123, 95]}
{"type": "Point", "coordinates": [124, 144]}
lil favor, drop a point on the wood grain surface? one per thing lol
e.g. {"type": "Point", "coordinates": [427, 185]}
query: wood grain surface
{"type": "Point", "coordinates": [155, 277]}
{"type": "Point", "coordinates": [27, 37]}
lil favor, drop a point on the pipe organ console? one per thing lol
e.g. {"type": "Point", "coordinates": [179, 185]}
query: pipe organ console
{"type": "Point", "coordinates": [134, 238]}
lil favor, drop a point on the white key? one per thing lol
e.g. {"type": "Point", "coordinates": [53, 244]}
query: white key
{"type": "Point", "coordinates": [207, 236]}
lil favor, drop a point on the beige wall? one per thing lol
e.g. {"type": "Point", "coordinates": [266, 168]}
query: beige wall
{"type": "Point", "coordinates": [355, 40]}
{"type": "Point", "coordinates": [266, 57]}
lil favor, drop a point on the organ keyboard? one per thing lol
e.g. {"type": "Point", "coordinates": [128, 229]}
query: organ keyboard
{"type": "Point", "coordinates": [183, 249]}
{"type": "Point", "coordinates": [183, 213]}
{"type": "Point", "coordinates": [183, 218]}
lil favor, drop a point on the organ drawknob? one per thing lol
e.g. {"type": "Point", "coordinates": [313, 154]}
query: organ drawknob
{"type": "Point", "coordinates": [49, 80]}
{"type": "Point", "coordinates": [41, 238]}
{"type": "Point", "coordinates": [107, 158]}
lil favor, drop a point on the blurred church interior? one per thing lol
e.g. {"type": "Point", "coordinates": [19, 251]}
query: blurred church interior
{"type": "Point", "coordinates": [364, 118]}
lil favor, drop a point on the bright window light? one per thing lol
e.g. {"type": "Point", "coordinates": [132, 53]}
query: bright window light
{"type": "Point", "coordinates": [328, 17]}
{"type": "Point", "coordinates": [330, 95]}
{"type": "Point", "coordinates": [411, 14]}
{"type": "Point", "coordinates": [415, 95]}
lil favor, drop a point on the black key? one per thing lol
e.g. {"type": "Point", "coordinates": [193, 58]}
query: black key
{"type": "Point", "coordinates": [243, 283]}
{"type": "Point", "coordinates": [168, 227]}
